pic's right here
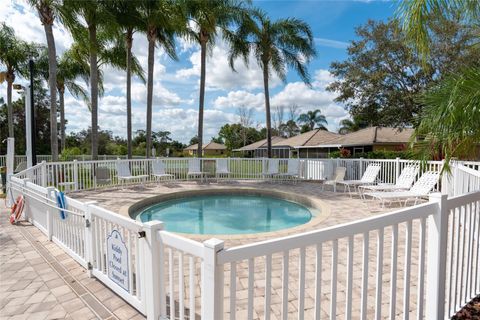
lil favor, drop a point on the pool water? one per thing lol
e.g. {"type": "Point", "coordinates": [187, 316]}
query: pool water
{"type": "Point", "coordinates": [227, 214]}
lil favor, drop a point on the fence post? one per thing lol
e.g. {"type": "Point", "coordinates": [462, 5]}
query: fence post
{"type": "Point", "coordinates": [437, 258]}
{"type": "Point", "coordinates": [360, 171]}
{"type": "Point", "coordinates": [89, 243]}
{"type": "Point", "coordinates": [44, 173]}
{"type": "Point", "coordinates": [50, 195]}
{"type": "Point", "coordinates": [75, 174]}
{"type": "Point", "coordinates": [397, 169]}
{"type": "Point", "coordinates": [212, 281]}
{"type": "Point", "coordinates": [155, 301]}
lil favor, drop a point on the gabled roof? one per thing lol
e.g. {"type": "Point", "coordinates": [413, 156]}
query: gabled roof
{"type": "Point", "coordinates": [368, 136]}
{"type": "Point", "coordinates": [310, 138]}
{"type": "Point", "coordinates": [209, 146]}
{"type": "Point", "coordinates": [259, 144]}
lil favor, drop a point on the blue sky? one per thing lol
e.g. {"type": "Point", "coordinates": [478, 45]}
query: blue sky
{"type": "Point", "coordinates": [176, 83]}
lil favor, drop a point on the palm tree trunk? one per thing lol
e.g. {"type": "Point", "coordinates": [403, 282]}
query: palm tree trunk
{"type": "Point", "coordinates": [267, 110]}
{"type": "Point", "coordinates": [151, 56]}
{"type": "Point", "coordinates": [10, 79]}
{"type": "Point", "coordinates": [203, 55]}
{"type": "Point", "coordinates": [129, 40]}
{"type": "Point", "coordinates": [61, 93]}
{"type": "Point", "coordinates": [92, 31]}
{"type": "Point", "coordinates": [52, 84]}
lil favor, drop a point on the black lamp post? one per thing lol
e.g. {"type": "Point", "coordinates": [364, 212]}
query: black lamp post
{"type": "Point", "coordinates": [32, 118]}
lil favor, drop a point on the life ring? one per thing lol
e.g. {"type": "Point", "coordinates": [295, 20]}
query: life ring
{"type": "Point", "coordinates": [17, 209]}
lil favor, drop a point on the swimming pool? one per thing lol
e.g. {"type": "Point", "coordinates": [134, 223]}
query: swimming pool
{"type": "Point", "coordinates": [227, 214]}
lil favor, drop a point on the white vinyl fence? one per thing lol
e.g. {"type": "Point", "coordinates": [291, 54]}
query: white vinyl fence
{"type": "Point", "coordinates": [420, 262]}
{"type": "Point", "coordinates": [82, 175]}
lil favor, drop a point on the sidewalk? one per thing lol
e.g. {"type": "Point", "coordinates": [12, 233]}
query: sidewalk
{"type": "Point", "coordinates": [39, 281]}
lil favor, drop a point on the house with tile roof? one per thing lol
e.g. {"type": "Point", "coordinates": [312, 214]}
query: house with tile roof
{"type": "Point", "coordinates": [365, 140]}
{"type": "Point", "coordinates": [259, 149]}
{"type": "Point", "coordinates": [208, 149]}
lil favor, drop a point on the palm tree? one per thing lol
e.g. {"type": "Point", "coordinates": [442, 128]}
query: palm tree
{"type": "Point", "coordinates": [289, 129]}
{"type": "Point", "coordinates": [14, 55]}
{"type": "Point", "coordinates": [313, 119]}
{"type": "Point", "coordinates": [206, 18]}
{"type": "Point", "coordinates": [161, 21]}
{"type": "Point", "coordinates": [69, 70]}
{"type": "Point", "coordinates": [351, 125]}
{"type": "Point", "coordinates": [46, 11]}
{"type": "Point", "coordinates": [449, 122]}
{"type": "Point", "coordinates": [275, 45]}
{"type": "Point", "coordinates": [128, 17]}
{"type": "Point", "coordinates": [96, 18]}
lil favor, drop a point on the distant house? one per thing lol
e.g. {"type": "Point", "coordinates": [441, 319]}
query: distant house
{"type": "Point", "coordinates": [307, 139]}
{"type": "Point", "coordinates": [209, 149]}
{"type": "Point", "coordinates": [259, 149]}
{"type": "Point", "coordinates": [286, 148]}
{"type": "Point", "coordinates": [365, 140]}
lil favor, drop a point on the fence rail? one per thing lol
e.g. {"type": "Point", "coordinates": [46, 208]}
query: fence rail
{"type": "Point", "coordinates": [421, 262]}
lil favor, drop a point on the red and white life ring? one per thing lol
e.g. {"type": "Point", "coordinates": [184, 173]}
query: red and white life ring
{"type": "Point", "coordinates": [17, 209]}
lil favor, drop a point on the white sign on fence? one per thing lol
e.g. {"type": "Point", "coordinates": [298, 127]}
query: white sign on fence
{"type": "Point", "coordinates": [117, 260]}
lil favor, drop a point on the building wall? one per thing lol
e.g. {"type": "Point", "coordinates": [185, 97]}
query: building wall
{"type": "Point", "coordinates": [209, 152]}
{"type": "Point", "coordinates": [388, 147]}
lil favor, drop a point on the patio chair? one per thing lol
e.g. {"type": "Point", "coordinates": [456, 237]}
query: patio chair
{"type": "Point", "coordinates": [272, 169]}
{"type": "Point", "coordinates": [368, 178]}
{"type": "Point", "coordinates": [293, 171]}
{"type": "Point", "coordinates": [421, 188]}
{"type": "Point", "coordinates": [20, 167]}
{"type": "Point", "coordinates": [404, 182]}
{"type": "Point", "coordinates": [158, 171]}
{"type": "Point", "coordinates": [194, 169]}
{"type": "Point", "coordinates": [124, 174]}
{"type": "Point", "coordinates": [338, 176]}
{"type": "Point", "coordinates": [221, 169]}
{"type": "Point", "coordinates": [102, 176]}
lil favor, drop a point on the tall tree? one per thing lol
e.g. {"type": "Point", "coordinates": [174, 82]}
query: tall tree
{"type": "Point", "coordinates": [46, 11]}
{"type": "Point", "coordinates": [128, 17]}
{"type": "Point", "coordinates": [90, 16]}
{"type": "Point", "coordinates": [382, 77]}
{"type": "Point", "coordinates": [275, 45]}
{"type": "Point", "coordinates": [205, 19]}
{"type": "Point", "coordinates": [312, 119]}
{"type": "Point", "coordinates": [352, 125]}
{"type": "Point", "coordinates": [14, 55]}
{"type": "Point", "coordinates": [162, 21]}
{"type": "Point", "coordinates": [450, 119]}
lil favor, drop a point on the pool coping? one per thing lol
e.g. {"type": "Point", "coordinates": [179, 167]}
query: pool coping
{"type": "Point", "coordinates": [321, 210]}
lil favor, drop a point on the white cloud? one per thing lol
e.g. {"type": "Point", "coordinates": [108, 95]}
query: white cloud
{"type": "Point", "coordinates": [219, 74]}
{"type": "Point", "coordinates": [331, 43]}
{"type": "Point", "coordinates": [294, 93]}
{"type": "Point", "coordinates": [235, 99]}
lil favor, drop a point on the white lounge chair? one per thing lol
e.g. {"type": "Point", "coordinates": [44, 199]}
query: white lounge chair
{"type": "Point", "coordinates": [124, 174]}
{"type": "Point", "coordinates": [368, 178]}
{"type": "Point", "coordinates": [221, 169]}
{"type": "Point", "coordinates": [272, 169]}
{"type": "Point", "coordinates": [420, 189]}
{"type": "Point", "coordinates": [158, 171]}
{"type": "Point", "coordinates": [404, 182]}
{"type": "Point", "coordinates": [293, 171]}
{"type": "Point", "coordinates": [337, 177]}
{"type": "Point", "coordinates": [194, 169]}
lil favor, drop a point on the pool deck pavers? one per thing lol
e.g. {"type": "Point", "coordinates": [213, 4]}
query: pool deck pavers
{"type": "Point", "coordinates": [39, 281]}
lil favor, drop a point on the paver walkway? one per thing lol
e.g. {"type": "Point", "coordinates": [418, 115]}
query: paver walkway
{"type": "Point", "coordinates": [39, 281]}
